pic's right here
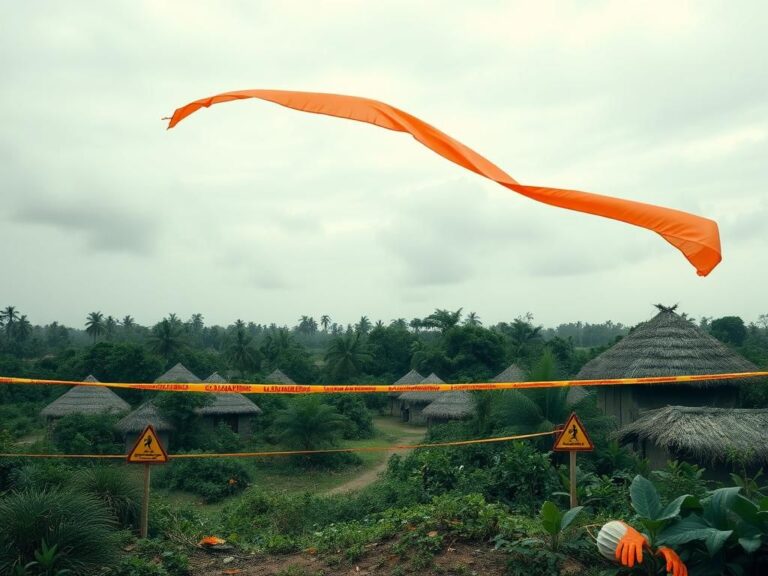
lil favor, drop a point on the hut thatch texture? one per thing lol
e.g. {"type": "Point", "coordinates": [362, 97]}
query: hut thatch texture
{"type": "Point", "coordinates": [512, 373]}
{"type": "Point", "coordinates": [146, 414]}
{"type": "Point", "coordinates": [235, 410]}
{"type": "Point", "coordinates": [423, 397]}
{"type": "Point", "coordinates": [178, 373]}
{"type": "Point", "coordinates": [667, 345]}
{"type": "Point", "coordinates": [278, 377]}
{"type": "Point", "coordinates": [411, 377]}
{"type": "Point", "coordinates": [86, 400]}
{"type": "Point", "coordinates": [216, 378]}
{"type": "Point", "coordinates": [451, 406]}
{"type": "Point", "coordinates": [704, 433]}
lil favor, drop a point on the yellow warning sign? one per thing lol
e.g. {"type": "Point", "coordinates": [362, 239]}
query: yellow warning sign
{"type": "Point", "coordinates": [573, 437]}
{"type": "Point", "coordinates": [148, 449]}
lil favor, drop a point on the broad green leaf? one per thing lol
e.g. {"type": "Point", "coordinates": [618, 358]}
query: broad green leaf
{"type": "Point", "coordinates": [751, 544]}
{"type": "Point", "coordinates": [716, 507]}
{"type": "Point", "coordinates": [673, 508]}
{"type": "Point", "coordinates": [764, 503]}
{"type": "Point", "coordinates": [570, 516]}
{"type": "Point", "coordinates": [690, 528]}
{"type": "Point", "coordinates": [550, 517]}
{"type": "Point", "coordinates": [716, 540]}
{"type": "Point", "coordinates": [645, 498]}
{"type": "Point", "coordinates": [746, 509]}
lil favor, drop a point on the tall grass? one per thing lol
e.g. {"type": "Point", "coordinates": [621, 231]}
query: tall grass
{"type": "Point", "coordinates": [79, 525]}
{"type": "Point", "coordinates": [120, 492]}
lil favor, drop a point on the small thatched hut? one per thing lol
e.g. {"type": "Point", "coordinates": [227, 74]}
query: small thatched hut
{"type": "Point", "coordinates": [135, 423]}
{"type": "Point", "coordinates": [278, 377]}
{"type": "Point", "coordinates": [450, 406]}
{"type": "Point", "coordinates": [666, 345]}
{"type": "Point", "coordinates": [234, 410]}
{"type": "Point", "coordinates": [512, 373]}
{"type": "Point", "coordinates": [178, 373]}
{"type": "Point", "coordinates": [705, 435]}
{"type": "Point", "coordinates": [413, 403]}
{"type": "Point", "coordinates": [395, 404]}
{"type": "Point", "coordinates": [85, 400]}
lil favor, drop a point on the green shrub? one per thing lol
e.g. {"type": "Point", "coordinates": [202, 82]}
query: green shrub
{"type": "Point", "coordinates": [211, 478]}
{"type": "Point", "coordinates": [87, 434]}
{"type": "Point", "coordinates": [41, 475]}
{"type": "Point", "coordinates": [119, 491]}
{"type": "Point", "coordinates": [79, 525]}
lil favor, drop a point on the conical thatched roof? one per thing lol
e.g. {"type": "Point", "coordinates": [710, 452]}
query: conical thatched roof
{"type": "Point", "coordinates": [178, 373]}
{"type": "Point", "coordinates": [227, 403]}
{"type": "Point", "coordinates": [144, 415]}
{"type": "Point", "coordinates": [278, 377]}
{"type": "Point", "coordinates": [708, 434]}
{"type": "Point", "coordinates": [423, 397]}
{"type": "Point", "coordinates": [512, 373]}
{"type": "Point", "coordinates": [666, 345]}
{"type": "Point", "coordinates": [86, 400]}
{"type": "Point", "coordinates": [412, 377]}
{"type": "Point", "coordinates": [459, 404]}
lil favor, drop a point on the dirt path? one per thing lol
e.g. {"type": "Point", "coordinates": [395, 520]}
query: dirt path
{"type": "Point", "coordinates": [401, 434]}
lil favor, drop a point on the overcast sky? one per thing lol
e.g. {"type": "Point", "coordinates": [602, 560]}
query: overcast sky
{"type": "Point", "coordinates": [248, 210]}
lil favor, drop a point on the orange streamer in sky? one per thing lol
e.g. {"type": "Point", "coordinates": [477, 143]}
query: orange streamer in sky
{"type": "Point", "coordinates": [695, 236]}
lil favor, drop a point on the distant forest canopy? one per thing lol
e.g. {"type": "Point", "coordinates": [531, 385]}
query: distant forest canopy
{"type": "Point", "coordinates": [451, 343]}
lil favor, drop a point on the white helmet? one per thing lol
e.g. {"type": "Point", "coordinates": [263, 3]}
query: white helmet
{"type": "Point", "coordinates": [608, 538]}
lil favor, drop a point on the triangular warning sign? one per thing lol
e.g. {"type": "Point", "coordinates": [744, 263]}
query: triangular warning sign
{"type": "Point", "coordinates": [573, 437]}
{"type": "Point", "coordinates": [148, 449]}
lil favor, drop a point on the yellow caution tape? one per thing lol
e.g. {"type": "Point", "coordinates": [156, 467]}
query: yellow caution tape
{"type": "Point", "coordinates": [297, 452]}
{"type": "Point", "coordinates": [380, 388]}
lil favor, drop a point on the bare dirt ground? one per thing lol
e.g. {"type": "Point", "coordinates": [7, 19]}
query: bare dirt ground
{"type": "Point", "coordinates": [458, 560]}
{"type": "Point", "coordinates": [400, 434]}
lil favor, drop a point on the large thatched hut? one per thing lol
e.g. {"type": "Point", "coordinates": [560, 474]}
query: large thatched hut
{"type": "Point", "coordinates": [178, 373]}
{"type": "Point", "coordinates": [512, 373]}
{"type": "Point", "coordinates": [666, 345]}
{"type": "Point", "coordinates": [413, 403]}
{"type": "Point", "coordinates": [711, 436]}
{"type": "Point", "coordinates": [134, 424]}
{"type": "Point", "coordinates": [234, 410]}
{"type": "Point", "coordinates": [457, 405]}
{"type": "Point", "coordinates": [277, 376]}
{"type": "Point", "coordinates": [85, 400]}
{"type": "Point", "coordinates": [395, 403]}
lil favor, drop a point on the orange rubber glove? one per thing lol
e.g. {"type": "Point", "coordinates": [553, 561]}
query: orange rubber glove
{"type": "Point", "coordinates": [630, 548]}
{"type": "Point", "coordinates": [675, 566]}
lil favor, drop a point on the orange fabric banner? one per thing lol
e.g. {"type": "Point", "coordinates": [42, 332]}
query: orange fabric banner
{"type": "Point", "coordinates": [696, 237]}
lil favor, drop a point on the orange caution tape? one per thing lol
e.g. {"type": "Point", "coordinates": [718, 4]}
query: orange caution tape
{"type": "Point", "coordinates": [381, 388]}
{"type": "Point", "coordinates": [696, 237]}
{"type": "Point", "coordinates": [298, 452]}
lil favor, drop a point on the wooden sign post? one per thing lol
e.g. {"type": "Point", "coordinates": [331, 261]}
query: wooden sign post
{"type": "Point", "coordinates": [147, 450]}
{"type": "Point", "coordinates": [573, 438]}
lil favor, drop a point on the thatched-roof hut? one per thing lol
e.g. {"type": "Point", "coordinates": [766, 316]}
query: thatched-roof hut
{"type": "Point", "coordinates": [395, 404]}
{"type": "Point", "coordinates": [85, 400]}
{"type": "Point", "coordinates": [512, 373]}
{"type": "Point", "coordinates": [234, 410]}
{"type": "Point", "coordinates": [178, 373]}
{"type": "Point", "coordinates": [666, 345]}
{"type": "Point", "coordinates": [702, 434]}
{"type": "Point", "coordinates": [413, 403]}
{"type": "Point", "coordinates": [450, 406]}
{"type": "Point", "coordinates": [278, 377]}
{"type": "Point", "coordinates": [134, 424]}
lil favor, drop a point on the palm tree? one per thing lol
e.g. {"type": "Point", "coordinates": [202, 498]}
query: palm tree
{"type": "Point", "coordinates": [110, 326]}
{"type": "Point", "coordinates": [346, 355]}
{"type": "Point", "coordinates": [8, 317]}
{"type": "Point", "coordinates": [166, 339]}
{"type": "Point", "coordinates": [442, 319]}
{"type": "Point", "coordinates": [22, 329]}
{"type": "Point", "coordinates": [128, 323]}
{"type": "Point", "coordinates": [416, 324]}
{"type": "Point", "coordinates": [325, 321]}
{"type": "Point", "coordinates": [364, 326]}
{"type": "Point", "coordinates": [308, 424]}
{"type": "Point", "coordinates": [399, 323]}
{"type": "Point", "coordinates": [241, 353]}
{"type": "Point", "coordinates": [277, 344]}
{"type": "Point", "coordinates": [94, 325]}
{"type": "Point", "coordinates": [196, 322]}
{"type": "Point", "coordinates": [379, 324]}
{"type": "Point", "coordinates": [307, 325]}
{"type": "Point", "coordinates": [473, 320]}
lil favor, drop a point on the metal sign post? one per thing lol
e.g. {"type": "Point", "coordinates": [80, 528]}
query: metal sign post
{"type": "Point", "coordinates": [147, 450]}
{"type": "Point", "coordinates": [573, 438]}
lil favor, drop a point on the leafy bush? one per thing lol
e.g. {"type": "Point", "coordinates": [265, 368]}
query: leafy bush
{"type": "Point", "coordinates": [119, 491]}
{"type": "Point", "coordinates": [211, 478]}
{"type": "Point", "coordinates": [680, 478]}
{"type": "Point", "coordinates": [87, 434]}
{"type": "Point", "coordinates": [78, 525]}
{"type": "Point", "coordinates": [360, 424]}
{"type": "Point", "coordinates": [41, 475]}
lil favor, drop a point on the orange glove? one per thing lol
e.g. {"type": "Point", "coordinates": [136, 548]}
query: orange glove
{"type": "Point", "coordinates": [675, 566]}
{"type": "Point", "coordinates": [630, 547]}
